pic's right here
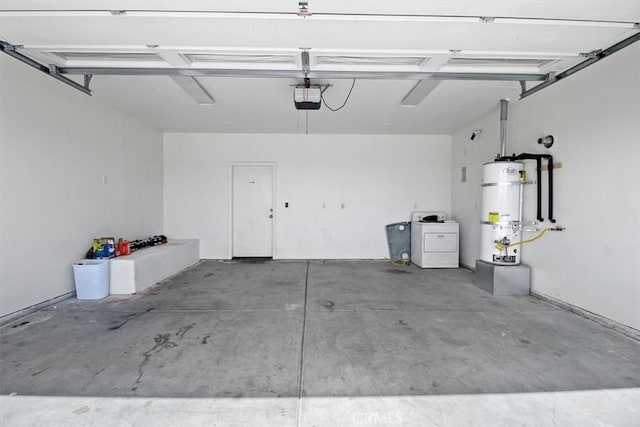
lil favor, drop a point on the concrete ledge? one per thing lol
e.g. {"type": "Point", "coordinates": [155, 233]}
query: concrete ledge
{"type": "Point", "coordinates": [133, 273]}
{"type": "Point", "coordinates": [566, 408]}
{"type": "Point", "coordinates": [505, 280]}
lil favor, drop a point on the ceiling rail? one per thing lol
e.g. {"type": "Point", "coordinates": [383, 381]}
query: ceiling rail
{"type": "Point", "coordinates": [51, 70]}
{"type": "Point", "coordinates": [592, 58]}
{"type": "Point", "coordinates": [300, 74]}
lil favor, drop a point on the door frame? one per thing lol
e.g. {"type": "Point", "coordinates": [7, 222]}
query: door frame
{"type": "Point", "coordinates": [274, 201]}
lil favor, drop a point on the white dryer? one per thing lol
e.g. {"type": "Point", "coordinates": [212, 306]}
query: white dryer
{"type": "Point", "coordinates": [434, 244]}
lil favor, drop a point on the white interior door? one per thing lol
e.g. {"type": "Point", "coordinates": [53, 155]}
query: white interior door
{"type": "Point", "coordinates": [252, 207]}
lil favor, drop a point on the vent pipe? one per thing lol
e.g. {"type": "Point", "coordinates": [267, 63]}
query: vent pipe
{"type": "Point", "coordinates": [504, 106]}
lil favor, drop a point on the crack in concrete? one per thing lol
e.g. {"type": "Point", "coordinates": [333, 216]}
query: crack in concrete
{"type": "Point", "coordinates": [134, 316]}
{"type": "Point", "coordinates": [162, 341]}
{"type": "Point", "coordinates": [20, 324]}
{"type": "Point", "coordinates": [183, 330]}
{"type": "Point", "coordinates": [39, 372]}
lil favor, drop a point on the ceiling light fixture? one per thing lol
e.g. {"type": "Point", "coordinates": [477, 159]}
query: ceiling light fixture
{"type": "Point", "coordinates": [194, 89]}
{"type": "Point", "coordinates": [419, 92]}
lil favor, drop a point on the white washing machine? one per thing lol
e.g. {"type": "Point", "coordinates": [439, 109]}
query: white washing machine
{"type": "Point", "coordinates": [434, 244]}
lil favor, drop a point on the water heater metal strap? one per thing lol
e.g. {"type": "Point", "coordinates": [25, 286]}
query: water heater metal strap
{"type": "Point", "coordinates": [500, 223]}
{"type": "Point", "coordinates": [499, 184]}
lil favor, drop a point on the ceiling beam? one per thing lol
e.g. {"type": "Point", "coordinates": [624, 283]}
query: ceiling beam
{"type": "Point", "coordinates": [173, 58]}
{"type": "Point", "coordinates": [194, 89]}
{"type": "Point", "coordinates": [419, 92]}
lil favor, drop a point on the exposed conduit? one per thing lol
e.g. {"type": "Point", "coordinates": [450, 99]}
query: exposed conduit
{"type": "Point", "coordinates": [504, 106]}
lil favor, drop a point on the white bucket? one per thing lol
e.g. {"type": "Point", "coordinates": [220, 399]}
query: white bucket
{"type": "Point", "coordinates": [92, 278]}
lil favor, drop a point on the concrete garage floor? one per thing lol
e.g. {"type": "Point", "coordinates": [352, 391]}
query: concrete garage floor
{"type": "Point", "coordinates": [316, 343]}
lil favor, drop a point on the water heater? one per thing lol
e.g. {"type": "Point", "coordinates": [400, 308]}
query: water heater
{"type": "Point", "coordinates": [501, 212]}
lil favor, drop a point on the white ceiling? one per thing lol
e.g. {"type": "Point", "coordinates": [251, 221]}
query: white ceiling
{"type": "Point", "coordinates": [399, 37]}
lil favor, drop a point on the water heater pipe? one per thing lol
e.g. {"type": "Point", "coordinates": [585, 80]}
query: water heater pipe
{"type": "Point", "coordinates": [538, 158]}
{"type": "Point", "coordinates": [504, 106]}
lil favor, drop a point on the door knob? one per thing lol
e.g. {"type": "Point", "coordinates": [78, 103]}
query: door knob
{"type": "Point", "coordinates": [270, 216]}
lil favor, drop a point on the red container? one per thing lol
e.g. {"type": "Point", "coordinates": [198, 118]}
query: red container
{"type": "Point", "coordinates": [124, 248]}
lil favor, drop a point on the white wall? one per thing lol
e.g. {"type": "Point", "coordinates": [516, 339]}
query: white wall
{"type": "Point", "coordinates": [55, 145]}
{"type": "Point", "coordinates": [379, 178]}
{"type": "Point", "coordinates": [594, 116]}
